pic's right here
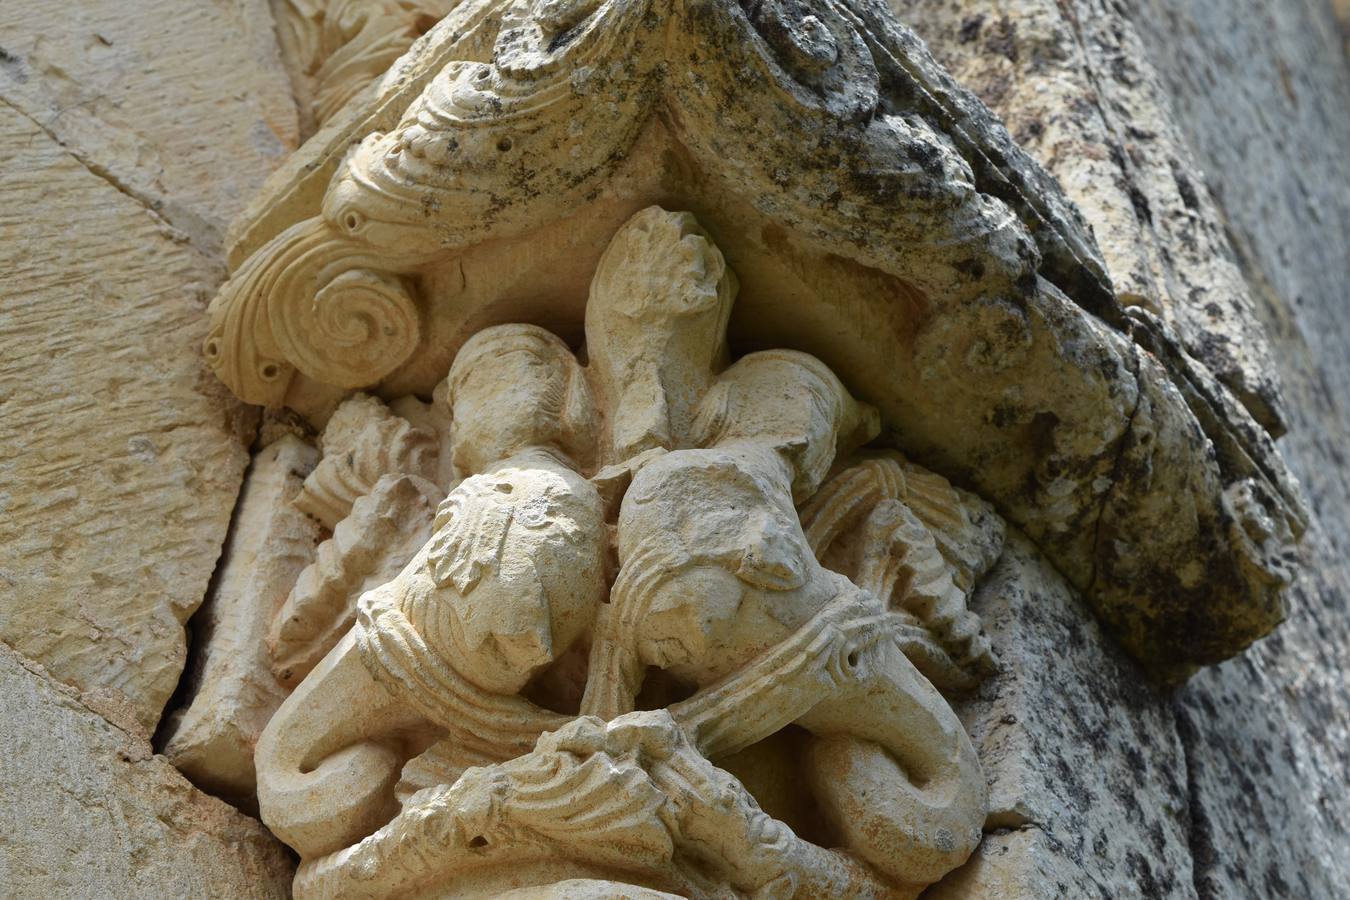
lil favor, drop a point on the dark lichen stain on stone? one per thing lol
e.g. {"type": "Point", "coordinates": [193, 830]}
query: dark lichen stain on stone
{"type": "Point", "coordinates": [1275, 884]}
{"type": "Point", "coordinates": [1139, 201]}
{"type": "Point", "coordinates": [563, 38]}
{"type": "Point", "coordinates": [970, 28]}
{"type": "Point", "coordinates": [1002, 39]}
{"type": "Point", "coordinates": [13, 66]}
{"type": "Point", "coordinates": [1185, 188]}
{"type": "Point", "coordinates": [1143, 874]}
{"type": "Point", "coordinates": [1030, 131]}
{"type": "Point", "coordinates": [972, 267]}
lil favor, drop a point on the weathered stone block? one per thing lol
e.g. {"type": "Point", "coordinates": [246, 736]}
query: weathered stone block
{"type": "Point", "coordinates": [122, 455]}
{"type": "Point", "coordinates": [1261, 91]}
{"type": "Point", "coordinates": [182, 105]}
{"type": "Point", "coordinates": [271, 542]}
{"type": "Point", "coordinates": [1079, 750]}
{"type": "Point", "coordinates": [1073, 84]}
{"type": "Point", "coordinates": [1020, 864]}
{"type": "Point", "coordinates": [880, 219]}
{"type": "Point", "coordinates": [90, 811]}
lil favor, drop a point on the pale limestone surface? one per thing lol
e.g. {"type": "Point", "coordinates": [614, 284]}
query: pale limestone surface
{"type": "Point", "coordinates": [184, 106]}
{"type": "Point", "coordinates": [362, 442]}
{"type": "Point", "coordinates": [1075, 87]}
{"type": "Point", "coordinates": [1259, 93]}
{"type": "Point", "coordinates": [494, 162]}
{"type": "Point", "coordinates": [385, 527]}
{"type": "Point", "coordinates": [437, 748]}
{"type": "Point", "coordinates": [336, 48]}
{"type": "Point", "coordinates": [122, 457]}
{"type": "Point", "coordinates": [232, 688]}
{"type": "Point", "coordinates": [1017, 865]}
{"type": "Point", "coordinates": [1262, 89]}
{"type": "Point", "coordinates": [1086, 770]}
{"type": "Point", "coordinates": [1085, 764]}
{"type": "Point", "coordinates": [129, 134]}
{"type": "Point", "coordinates": [90, 811]}
{"type": "Point", "coordinates": [125, 156]}
{"type": "Point", "coordinates": [371, 491]}
{"type": "Point", "coordinates": [460, 206]}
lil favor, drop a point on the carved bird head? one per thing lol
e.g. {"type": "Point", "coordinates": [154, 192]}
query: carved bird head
{"type": "Point", "coordinates": [518, 556]}
{"type": "Point", "coordinates": [518, 386]}
{"type": "Point", "coordinates": [656, 327]}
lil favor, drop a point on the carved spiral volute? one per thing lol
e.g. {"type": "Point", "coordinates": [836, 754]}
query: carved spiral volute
{"type": "Point", "coordinates": [303, 303]}
{"type": "Point", "coordinates": [360, 326]}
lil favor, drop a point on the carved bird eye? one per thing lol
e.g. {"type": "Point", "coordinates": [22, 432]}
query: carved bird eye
{"type": "Point", "coordinates": [557, 16]}
{"type": "Point", "coordinates": [352, 221]}
{"type": "Point", "coordinates": [533, 514]}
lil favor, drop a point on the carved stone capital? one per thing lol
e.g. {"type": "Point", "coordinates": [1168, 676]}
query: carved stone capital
{"type": "Point", "coordinates": [715, 303]}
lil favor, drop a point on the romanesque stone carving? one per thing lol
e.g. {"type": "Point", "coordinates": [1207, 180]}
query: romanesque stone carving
{"type": "Point", "coordinates": [651, 560]}
{"type": "Point", "coordinates": [385, 528]}
{"type": "Point", "coordinates": [235, 694]}
{"type": "Point", "coordinates": [338, 47]}
{"type": "Point", "coordinates": [376, 490]}
{"type": "Point", "coordinates": [626, 537]}
{"type": "Point", "coordinates": [910, 537]}
{"type": "Point", "coordinates": [363, 442]}
{"type": "Point", "coordinates": [881, 220]}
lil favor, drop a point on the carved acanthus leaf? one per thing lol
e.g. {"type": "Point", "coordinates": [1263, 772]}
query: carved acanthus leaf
{"type": "Point", "coordinates": [920, 544]}
{"type": "Point", "coordinates": [362, 443]}
{"type": "Point", "coordinates": [591, 805]}
{"type": "Point", "coordinates": [340, 46]}
{"type": "Point", "coordinates": [384, 529]}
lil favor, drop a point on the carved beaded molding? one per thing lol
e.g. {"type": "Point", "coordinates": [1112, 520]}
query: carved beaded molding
{"type": "Point", "coordinates": [688, 286]}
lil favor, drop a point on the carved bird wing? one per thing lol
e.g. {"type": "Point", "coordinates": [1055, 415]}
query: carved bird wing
{"type": "Point", "coordinates": [920, 544]}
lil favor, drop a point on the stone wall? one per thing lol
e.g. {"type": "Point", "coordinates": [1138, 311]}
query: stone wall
{"type": "Point", "coordinates": [1227, 122]}
{"type": "Point", "coordinates": [1263, 92]}
{"type": "Point", "coordinates": [130, 134]}
{"type": "Point", "coordinates": [91, 811]}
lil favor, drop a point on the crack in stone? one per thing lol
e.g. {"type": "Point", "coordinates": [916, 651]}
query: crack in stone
{"type": "Point", "coordinates": [1123, 443]}
{"type": "Point", "coordinates": [73, 694]}
{"type": "Point", "coordinates": [1010, 820]}
{"type": "Point", "coordinates": [152, 206]}
{"type": "Point", "coordinates": [1199, 843]}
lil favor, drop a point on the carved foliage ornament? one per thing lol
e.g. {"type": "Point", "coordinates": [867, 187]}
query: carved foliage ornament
{"type": "Point", "coordinates": [338, 47]}
{"type": "Point", "coordinates": [558, 602]}
{"type": "Point", "coordinates": [654, 531]}
{"type": "Point", "coordinates": [492, 149]}
{"type": "Point", "coordinates": [894, 230]}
